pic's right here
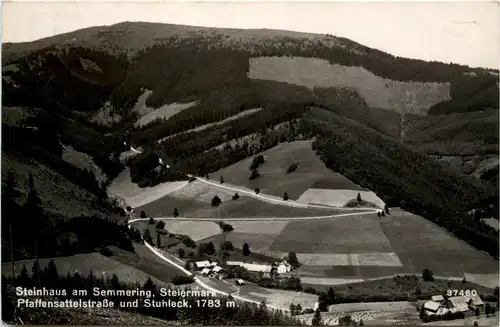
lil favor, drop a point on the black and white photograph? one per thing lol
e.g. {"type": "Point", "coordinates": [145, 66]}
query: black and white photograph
{"type": "Point", "coordinates": [286, 163]}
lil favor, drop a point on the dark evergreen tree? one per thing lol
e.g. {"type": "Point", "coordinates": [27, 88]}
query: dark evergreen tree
{"type": "Point", "coordinates": [246, 249]}
{"type": "Point", "coordinates": [222, 180]}
{"type": "Point", "coordinates": [143, 214]}
{"type": "Point", "coordinates": [317, 319]}
{"type": "Point", "coordinates": [158, 240]}
{"type": "Point", "coordinates": [36, 273]}
{"type": "Point", "coordinates": [160, 225]}
{"type": "Point", "coordinates": [358, 197]}
{"type": "Point", "coordinates": [427, 275]}
{"type": "Point", "coordinates": [176, 212]}
{"type": "Point", "coordinates": [285, 196]}
{"type": "Point", "coordinates": [24, 278]}
{"type": "Point", "coordinates": [292, 259]}
{"type": "Point", "coordinates": [216, 201]}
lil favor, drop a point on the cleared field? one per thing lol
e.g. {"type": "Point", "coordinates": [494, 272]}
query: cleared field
{"type": "Point", "coordinates": [338, 198]}
{"type": "Point", "coordinates": [83, 264]}
{"type": "Point", "coordinates": [341, 235]}
{"type": "Point", "coordinates": [352, 272]}
{"type": "Point", "coordinates": [257, 243]}
{"type": "Point", "coordinates": [332, 319]}
{"type": "Point", "coordinates": [135, 196]}
{"type": "Point", "coordinates": [405, 97]}
{"type": "Point", "coordinates": [328, 281]}
{"type": "Point", "coordinates": [194, 200]}
{"type": "Point", "coordinates": [355, 259]}
{"type": "Point", "coordinates": [219, 123]}
{"type": "Point", "coordinates": [372, 313]}
{"type": "Point", "coordinates": [486, 280]}
{"type": "Point", "coordinates": [275, 181]}
{"type": "Point", "coordinates": [483, 321]}
{"type": "Point", "coordinates": [382, 306]}
{"type": "Point", "coordinates": [164, 112]}
{"type": "Point", "coordinates": [492, 222]}
{"type": "Point", "coordinates": [421, 244]}
{"type": "Point", "coordinates": [196, 230]}
{"type": "Point", "coordinates": [278, 298]}
{"type": "Point", "coordinates": [336, 181]}
{"type": "Point", "coordinates": [259, 227]}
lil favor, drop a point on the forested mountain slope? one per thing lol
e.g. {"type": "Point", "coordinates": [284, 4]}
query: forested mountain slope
{"type": "Point", "coordinates": [88, 89]}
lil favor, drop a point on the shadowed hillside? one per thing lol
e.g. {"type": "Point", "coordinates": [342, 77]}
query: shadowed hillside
{"type": "Point", "coordinates": [93, 93]}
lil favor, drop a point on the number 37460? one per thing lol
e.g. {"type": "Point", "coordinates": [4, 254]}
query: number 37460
{"type": "Point", "coordinates": [461, 293]}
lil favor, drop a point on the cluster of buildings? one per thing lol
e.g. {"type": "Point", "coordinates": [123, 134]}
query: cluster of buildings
{"type": "Point", "coordinates": [212, 269]}
{"type": "Point", "coordinates": [438, 305]}
{"type": "Point", "coordinates": [208, 268]}
{"type": "Point", "coordinates": [277, 268]}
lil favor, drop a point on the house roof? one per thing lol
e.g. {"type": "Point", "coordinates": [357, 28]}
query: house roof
{"type": "Point", "coordinates": [205, 271]}
{"type": "Point", "coordinates": [431, 305]}
{"type": "Point", "coordinates": [437, 298]}
{"type": "Point", "coordinates": [213, 264]}
{"type": "Point", "coordinates": [241, 281]}
{"type": "Point", "coordinates": [257, 267]}
{"type": "Point", "coordinates": [201, 264]}
{"type": "Point", "coordinates": [459, 302]}
{"type": "Point", "coordinates": [217, 269]}
{"type": "Point", "coordinates": [476, 300]}
{"type": "Point", "coordinates": [234, 263]}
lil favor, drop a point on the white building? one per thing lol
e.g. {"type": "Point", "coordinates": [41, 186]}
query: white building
{"type": "Point", "coordinates": [202, 264]}
{"type": "Point", "coordinates": [431, 307]}
{"type": "Point", "coordinates": [284, 267]}
{"type": "Point", "coordinates": [437, 298]}
{"type": "Point", "coordinates": [256, 267]}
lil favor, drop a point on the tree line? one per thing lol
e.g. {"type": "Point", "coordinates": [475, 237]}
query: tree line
{"type": "Point", "coordinates": [241, 314]}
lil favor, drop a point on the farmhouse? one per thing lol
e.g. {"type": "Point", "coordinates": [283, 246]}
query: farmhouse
{"type": "Point", "coordinates": [202, 264]}
{"type": "Point", "coordinates": [257, 268]}
{"type": "Point", "coordinates": [431, 307]}
{"type": "Point", "coordinates": [234, 263]}
{"type": "Point", "coordinates": [284, 267]}
{"type": "Point", "coordinates": [205, 271]}
{"type": "Point", "coordinates": [464, 303]}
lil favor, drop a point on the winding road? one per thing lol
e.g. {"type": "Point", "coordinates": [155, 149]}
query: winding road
{"type": "Point", "coordinates": [261, 196]}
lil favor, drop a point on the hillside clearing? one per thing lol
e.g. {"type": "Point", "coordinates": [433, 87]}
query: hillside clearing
{"type": "Point", "coordinates": [278, 298]}
{"type": "Point", "coordinates": [135, 196]}
{"type": "Point", "coordinates": [338, 198]}
{"type": "Point", "coordinates": [341, 235]}
{"type": "Point", "coordinates": [219, 123]}
{"type": "Point", "coordinates": [149, 114]}
{"type": "Point", "coordinates": [83, 161]}
{"type": "Point", "coordinates": [196, 230]}
{"type": "Point", "coordinates": [492, 222]}
{"type": "Point", "coordinates": [195, 201]}
{"type": "Point", "coordinates": [402, 97]}
{"type": "Point", "coordinates": [421, 244]}
{"type": "Point", "coordinates": [274, 180]}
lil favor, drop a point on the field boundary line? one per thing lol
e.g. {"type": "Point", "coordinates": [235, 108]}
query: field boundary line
{"type": "Point", "coordinates": [254, 219]}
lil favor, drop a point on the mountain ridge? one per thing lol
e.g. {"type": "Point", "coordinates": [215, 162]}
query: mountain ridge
{"type": "Point", "coordinates": [71, 82]}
